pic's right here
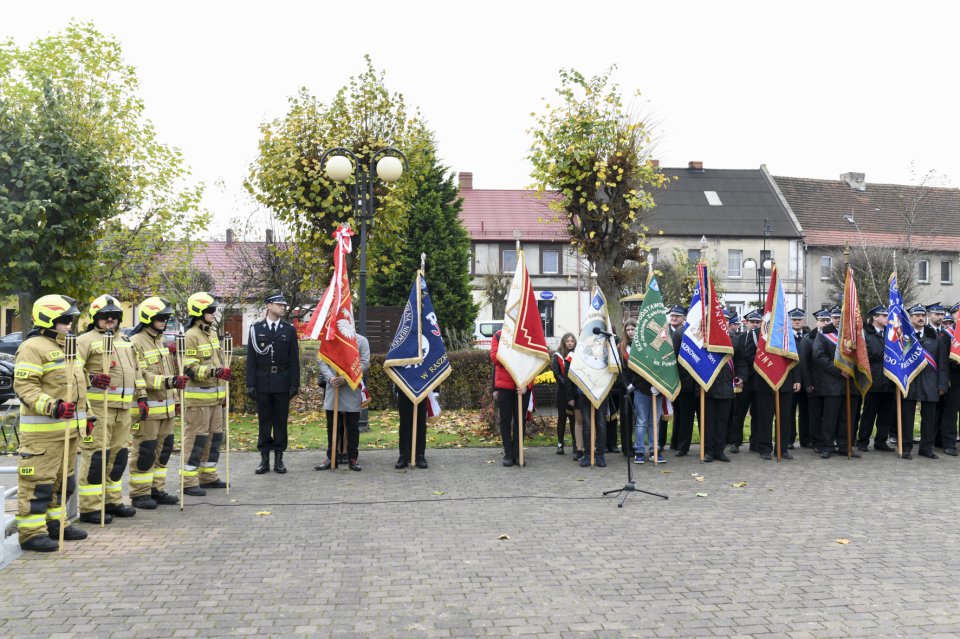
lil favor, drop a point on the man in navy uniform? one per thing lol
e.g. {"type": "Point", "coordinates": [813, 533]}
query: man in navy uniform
{"type": "Point", "coordinates": [878, 405]}
{"type": "Point", "coordinates": [798, 326]}
{"type": "Point", "coordinates": [927, 388]}
{"type": "Point", "coordinates": [743, 402]}
{"type": "Point", "coordinates": [273, 378]}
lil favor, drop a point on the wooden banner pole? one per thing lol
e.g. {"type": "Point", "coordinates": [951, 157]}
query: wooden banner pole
{"type": "Point", "coordinates": [655, 423]}
{"type": "Point", "coordinates": [849, 422]}
{"type": "Point", "coordinates": [703, 422]}
{"type": "Point", "coordinates": [900, 396]}
{"type": "Point", "coordinates": [777, 431]}
{"type": "Point", "coordinates": [521, 416]}
{"type": "Point", "coordinates": [334, 453]}
{"type": "Point", "coordinates": [105, 366]}
{"type": "Point", "coordinates": [70, 357]}
{"type": "Point", "coordinates": [413, 435]}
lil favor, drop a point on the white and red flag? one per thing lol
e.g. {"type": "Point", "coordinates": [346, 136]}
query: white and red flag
{"type": "Point", "coordinates": [332, 320]}
{"type": "Point", "coordinates": [523, 348]}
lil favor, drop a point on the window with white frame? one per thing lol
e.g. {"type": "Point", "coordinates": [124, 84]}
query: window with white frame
{"type": "Point", "coordinates": [693, 255]}
{"type": "Point", "coordinates": [946, 272]}
{"type": "Point", "coordinates": [734, 263]}
{"type": "Point", "coordinates": [549, 261]}
{"type": "Point", "coordinates": [923, 271]}
{"type": "Point", "coordinates": [826, 267]}
{"type": "Point", "coordinates": [508, 260]}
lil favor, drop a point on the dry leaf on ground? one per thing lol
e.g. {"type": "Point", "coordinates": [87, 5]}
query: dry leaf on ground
{"type": "Point", "coordinates": [843, 541]}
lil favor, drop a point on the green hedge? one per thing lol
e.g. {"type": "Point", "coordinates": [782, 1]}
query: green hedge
{"type": "Point", "coordinates": [470, 379]}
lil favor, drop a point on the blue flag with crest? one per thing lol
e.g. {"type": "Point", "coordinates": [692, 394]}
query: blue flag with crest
{"type": "Point", "coordinates": [702, 364]}
{"type": "Point", "coordinates": [903, 354]}
{"type": "Point", "coordinates": [417, 361]}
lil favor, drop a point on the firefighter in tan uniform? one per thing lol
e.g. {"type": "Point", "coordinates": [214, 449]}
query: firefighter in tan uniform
{"type": "Point", "coordinates": [122, 384]}
{"type": "Point", "coordinates": [46, 408]}
{"type": "Point", "coordinates": [153, 434]}
{"type": "Point", "coordinates": [204, 397]}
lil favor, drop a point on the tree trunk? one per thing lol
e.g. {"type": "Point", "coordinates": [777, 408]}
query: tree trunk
{"type": "Point", "coordinates": [611, 290]}
{"type": "Point", "coordinates": [25, 302]}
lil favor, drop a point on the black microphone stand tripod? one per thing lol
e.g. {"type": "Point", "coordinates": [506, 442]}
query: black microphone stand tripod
{"type": "Point", "coordinates": [630, 486]}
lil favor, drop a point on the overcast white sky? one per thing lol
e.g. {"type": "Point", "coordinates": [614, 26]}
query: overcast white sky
{"type": "Point", "coordinates": [810, 89]}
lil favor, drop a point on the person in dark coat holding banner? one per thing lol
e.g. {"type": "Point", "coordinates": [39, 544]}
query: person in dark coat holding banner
{"type": "Point", "coordinates": [566, 393]}
{"type": "Point", "coordinates": [686, 406]}
{"type": "Point", "coordinates": [927, 388]}
{"type": "Point", "coordinates": [798, 424]}
{"type": "Point", "coordinates": [273, 378]}
{"type": "Point", "coordinates": [718, 403]}
{"type": "Point", "coordinates": [813, 397]}
{"type": "Point", "coordinates": [405, 408]}
{"type": "Point", "coordinates": [878, 406]}
{"type": "Point", "coordinates": [743, 363]}
{"type": "Point", "coordinates": [764, 403]}
{"type": "Point", "coordinates": [505, 397]}
{"type": "Point", "coordinates": [951, 401]}
{"type": "Point", "coordinates": [828, 384]}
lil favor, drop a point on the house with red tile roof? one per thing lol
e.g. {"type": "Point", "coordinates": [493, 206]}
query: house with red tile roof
{"type": "Point", "coordinates": [852, 211]}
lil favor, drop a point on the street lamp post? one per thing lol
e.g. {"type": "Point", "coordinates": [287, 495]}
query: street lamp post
{"type": "Point", "coordinates": [387, 164]}
{"type": "Point", "coordinates": [762, 267]}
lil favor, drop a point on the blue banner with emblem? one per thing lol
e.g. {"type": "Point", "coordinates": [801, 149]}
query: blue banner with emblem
{"type": "Point", "coordinates": [417, 362]}
{"type": "Point", "coordinates": [903, 354]}
{"type": "Point", "coordinates": [702, 364]}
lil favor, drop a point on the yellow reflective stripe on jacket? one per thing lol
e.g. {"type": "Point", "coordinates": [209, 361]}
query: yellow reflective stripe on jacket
{"type": "Point", "coordinates": [25, 369]}
{"type": "Point", "coordinates": [43, 404]}
{"type": "Point", "coordinates": [57, 364]}
{"type": "Point", "coordinates": [139, 383]}
{"type": "Point", "coordinates": [201, 392]}
{"type": "Point", "coordinates": [31, 521]}
{"type": "Point", "coordinates": [158, 382]}
{"type": "Point", "coordinates": [41, 424]}
{"type": "Point", "coordinates": [141, 478]}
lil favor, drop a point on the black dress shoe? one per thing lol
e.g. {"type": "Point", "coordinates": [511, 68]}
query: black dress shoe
{"type": "Point", "coordinates": [121, 510]}
{"type": "Point", "coordinates": [163, 498]}
{"type": "Point", "coordinates": [278, 466]}
{"type": "Point", "coordinates": [854, 455]}
{"type": "Point", "coordinates": [906, 456]}
{"type": "Point", "coordinates": [324, 465]}
{"type": "Point", "coordinates": [214, 484]}
{"type": "Point", "coordinates": [929, 454]}
{"type": "Point", "coordinates": [721, 457]}
{"type": "Point", "coordinates": [825, 454]}
{"type": "Point", "coordinates": [560, 449]}
{"type": "Point", "coordinates": [765, 456]}
{"type": "Point", "coordinates": [94, 517]}
{"type": "Point", "coordinates": [681, 453]}
{"type": "Point", "coordinates": [707, 459]}
{"type": "Point", "coordinates": [422, 462]}
{"type": "Point", "coordinates": [508, 460]}
{"type": "Point", "coordinates": [143, 501]}
{"type": "Point", "coordinates": [577, 455]}
{"type": "Point", "coordinates": [786, 455]}
{"type": "Point", "coordinates": [950, 451]}
{"type": "Point", "coordinates": [194, 491]}
{"type": "Point", "coordinates": [734, 448]}
{"type": "Point", "coordinates": [354, 465]}
{"type": "Point", "coordinates": [789, 446]}
{"type": "Point", "coordinates": [264, 464]}
{"type": "Point", "coordinates": [41, 544]}
{"type": "Point", "coordinates": [883, 448]}
{"type": "Point", "coordinates": [402, 462]}
{"type": "Point", "coordinates": [863, 448]}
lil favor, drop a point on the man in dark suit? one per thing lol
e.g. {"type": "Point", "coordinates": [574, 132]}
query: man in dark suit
{"type": "Point", "coordinates": [795, 423]}
{"type": "Point", "coordinates": [813, 397]}
{"type": "Point", "coordinates": [686, 406]}
{"type": "Point", "coordinates": [951, 406]}
{"type": "Point", "coordinates": [878, 405]}
{"type": "Point", "coordinates": [273, 378]}
{"type": "Point", "coordinates": [927, 388]}
{"type": "Point", "coordinates": [743, 402]}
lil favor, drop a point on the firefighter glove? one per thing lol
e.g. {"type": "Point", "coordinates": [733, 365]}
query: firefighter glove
{"type": "Point", "coordinates": [100, 380]}
{"type": "Point", "coordinates": [64, 410]}
{"type": "Point", "coordinates": [223, 373]}
{"type": "Point", "coordinates": [144, 409]}
{"type": "Point", "coordinates": [177, 381]}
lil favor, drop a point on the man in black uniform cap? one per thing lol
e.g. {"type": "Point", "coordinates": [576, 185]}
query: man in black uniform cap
{"type": "Point", "coordinates": [878, 405]}
{"type": "Point", "coordinates": [273, 378]}
{"type": "Point", "coordinates": [798, 326]}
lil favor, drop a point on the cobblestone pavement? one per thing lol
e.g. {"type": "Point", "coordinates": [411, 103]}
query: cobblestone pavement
{"type": "Point", "coordinates": [417, 553]}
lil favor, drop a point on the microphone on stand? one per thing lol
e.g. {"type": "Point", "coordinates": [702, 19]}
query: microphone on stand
{"type": "Point", "coordinates": [599, 331]}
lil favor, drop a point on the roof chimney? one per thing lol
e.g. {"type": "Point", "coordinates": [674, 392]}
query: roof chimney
{"type": "Point", "coordinates": [229, 236]}
{"type": "Point", "coordinates": [269, 235]}
{"type": "Point", "coordinates": [695, 166]}
{"type": "Point", "coordinates": [466, 181]}
{"type": "Point", "coordinates": [856, 181]}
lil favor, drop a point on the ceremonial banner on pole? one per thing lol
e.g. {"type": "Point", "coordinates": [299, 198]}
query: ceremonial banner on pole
{"type": "Point", "coordinates": [695, 353]}
{"type": "Point", "coordinates": [523, 348]}
{"type": "Point", "coordinates": [954, 344]}
{"type": "Point", "coordinates": [417, 361]}
{"type": "Point", "coordinates": [851, 355]}
{"type": "Point", "coordinates": [651, 354]}
{"type": "Point", "coordinates": [903, 354]}
{"type": "Point", "coordinates": [717, 335]}
{"type": "Point", "coordinates": [332, 320]}
{"type": "Point", "coordinates": [593, 367]}
{"type": "Point", "coordinates": [776, 348]}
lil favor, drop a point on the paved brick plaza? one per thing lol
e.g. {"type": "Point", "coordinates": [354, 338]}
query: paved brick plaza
{"type": "Point", "coordinates": [345, 560]}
